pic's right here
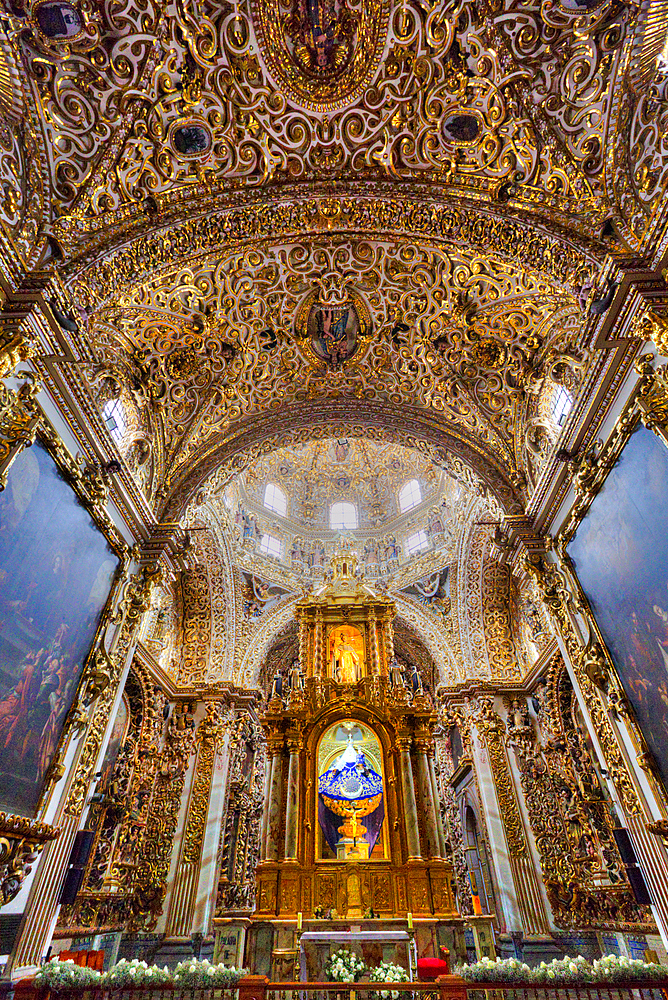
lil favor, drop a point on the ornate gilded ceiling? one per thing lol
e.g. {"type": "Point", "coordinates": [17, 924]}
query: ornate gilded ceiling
{"type": "Point", "coordinates": [268, 232]}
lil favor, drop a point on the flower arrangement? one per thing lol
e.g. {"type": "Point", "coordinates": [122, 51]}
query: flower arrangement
{"type": "Point", "coordinates": [59, 976]}
{"type": "Point", "coordinates": [136, 973]}
{"type": "Point", "coordinates": [386, 972]}
{"type": "Point", "coordinates": [617, 968]}
{"type": "Point", "coordinates": [195, 974]}
{"type": "Point", "coordinates": [566, 971]}
{"type": "Point", "coordinates": [344, 967]}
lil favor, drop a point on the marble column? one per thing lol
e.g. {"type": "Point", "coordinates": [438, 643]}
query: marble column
{"type": "Point", "coordinates": [275, 803]}
{"type": "Point", "coordinates": [265, 808]}
{"type": "Point", "coordinates": [437, 805]}
{"type": "Point", "coordinates": [408, 795]}
{"type": "Point", "coordinates": [292, 809]}
{"type": "Point", "coordinates": [427, 800]}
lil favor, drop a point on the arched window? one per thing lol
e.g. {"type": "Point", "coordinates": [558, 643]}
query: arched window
{"type": "Point", "coordinates": [416, 543]}
{"type": "Point", "coordinates": [271, 546]}
{"type": "Point", "coordinates": [275, 499]}
{"type": "Point", "coordinates": [560, 405]}
{"type": "Point", "coordinates": [410, 495]}
{"type": "Point", "coordinates": [113, 415]}
{"type": "Point", "coordinates": [343, 515]}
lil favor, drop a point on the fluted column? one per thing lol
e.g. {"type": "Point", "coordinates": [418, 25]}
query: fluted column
{"type": "Point", "coordinates": [427, 799]}
{"type": "Point", "coordinates": [275, 802]}
{"type": "Point", "coordinates": [408, 795]}
{"type": "Point", "coordinates": [373, 637]}
{"type": "Point", "coordinates": [292, 807]}
{"type": "Point", "coordinates": [437, 805]}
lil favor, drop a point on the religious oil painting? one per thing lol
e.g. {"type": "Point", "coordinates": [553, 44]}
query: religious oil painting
{"type": "Point", "coordinates": [334, 332]}
{"type": "Point", "coordinates": [621, 557]}
{"type": "Point", "coordinates": [351, 798]}
{"type": "Point", "coordinates": [346, 654]}
{"type": "Point", "coordinates": [56, 572]}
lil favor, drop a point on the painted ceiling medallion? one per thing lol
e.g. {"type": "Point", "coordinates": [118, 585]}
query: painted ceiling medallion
{"type": "Point", "coordinates": [331, 333]}
{"type": "Point", "coordinates": [322, 53]}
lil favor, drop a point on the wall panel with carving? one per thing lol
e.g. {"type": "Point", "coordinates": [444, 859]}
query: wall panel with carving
{"type": "Point", "coordinates": [569, 813]}
{"type": "Point", "coordinates": [119, 812]}
{"type": "Point", "coordinates": [239, 848]}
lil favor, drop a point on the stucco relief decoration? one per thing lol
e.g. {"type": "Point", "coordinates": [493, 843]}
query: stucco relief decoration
{"type": "Point", "coordinates": [321, 52]}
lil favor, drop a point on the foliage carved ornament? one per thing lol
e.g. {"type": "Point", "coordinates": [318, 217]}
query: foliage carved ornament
{"type": "Point", "coordinates": [485, 104]}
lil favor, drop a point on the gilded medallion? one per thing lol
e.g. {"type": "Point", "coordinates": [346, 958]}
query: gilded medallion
{"type": "Point", "coordinates": [332, 333]}
{"type": "Point", "coordinates": [322, 53]}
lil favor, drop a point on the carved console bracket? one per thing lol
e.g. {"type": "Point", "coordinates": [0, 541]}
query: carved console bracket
{"type": "Point", "coordinates": [21, 841]}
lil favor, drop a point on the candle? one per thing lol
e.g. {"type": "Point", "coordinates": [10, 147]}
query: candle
{"type": "Point", "coordinates": [410, 921]}
{"type": "Point", "coordinates": [299, 921]}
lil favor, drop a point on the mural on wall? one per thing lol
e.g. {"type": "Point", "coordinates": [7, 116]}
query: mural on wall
{"type": "Point", "coordinates": [621, 557]}
{"type": "Point", "coordinates": [350, 789]}
{"type": "Point", "coordinates": [56, 571]}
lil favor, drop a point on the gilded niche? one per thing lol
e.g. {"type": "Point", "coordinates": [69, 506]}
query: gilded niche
{"type": "Point", "coordinates": [321, 52]}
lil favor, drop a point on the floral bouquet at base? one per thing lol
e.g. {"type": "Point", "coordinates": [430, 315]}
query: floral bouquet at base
{"type": "Point", "coordinates": [386, 972]}
{"type": "Point", "coordinates": [136, 973]}
{"type": "Point", "coordinates": [59, 976]}
{"type": "Point", "coordinates": [500, 970]}
{"type": "Point", "coordinates": [619, 969]}
{"type": "Point", "coordinates": [197, 975]}
{"type": "Point", "coordinates": [344, 967]}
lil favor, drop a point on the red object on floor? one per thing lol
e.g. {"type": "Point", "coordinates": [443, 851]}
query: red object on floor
{"type": "Point", "coordinates": [431, 968]}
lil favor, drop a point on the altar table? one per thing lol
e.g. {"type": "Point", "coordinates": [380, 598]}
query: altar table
{"type": "Point", "coordinates": [347, 937]}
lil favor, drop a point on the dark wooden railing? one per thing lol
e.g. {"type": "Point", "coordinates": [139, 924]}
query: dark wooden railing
{"type": "Point", "coordinates": [445, 988]}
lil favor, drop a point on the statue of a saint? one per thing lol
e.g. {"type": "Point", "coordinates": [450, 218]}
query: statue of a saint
{"type": "Point", "coordinates": [347, 671]}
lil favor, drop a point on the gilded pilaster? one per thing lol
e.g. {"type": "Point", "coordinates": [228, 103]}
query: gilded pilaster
{"type": "Point", "coordinates": [182, 901]}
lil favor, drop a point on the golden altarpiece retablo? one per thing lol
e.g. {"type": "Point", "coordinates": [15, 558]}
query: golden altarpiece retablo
{"type": "Point", "coordinates": [350, 824]}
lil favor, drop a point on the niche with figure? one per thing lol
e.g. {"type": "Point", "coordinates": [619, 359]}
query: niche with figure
{"type": "Point", "coordinates": [345, 654]}
{"type": "Point", "coordinates": [351, 794]}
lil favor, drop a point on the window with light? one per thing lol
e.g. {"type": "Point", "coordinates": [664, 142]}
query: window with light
{"type": "Point", "coordinates": [271, 546]}
{"type": "Point", "coordinates": [114, 417]}
{"type": "Point", "coordinates": [275, 499]}
{"type": "Point", "coordinates": [560, 405]}
{"type": "Point", "coordinates": [342, 516]}
{"type": "Point", "coordinates": [410, 495]}
{"type": "Point", "coordinates": [416, 543]}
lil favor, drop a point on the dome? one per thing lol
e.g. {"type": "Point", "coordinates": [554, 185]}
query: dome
{"type": "Point", "coordinates": [293, 504]}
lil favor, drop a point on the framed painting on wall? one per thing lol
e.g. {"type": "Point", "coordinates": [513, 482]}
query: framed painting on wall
{"type": "Point", "coordinates": [56, 574]}
{"type": "Point", "coordinates": [620, 552]}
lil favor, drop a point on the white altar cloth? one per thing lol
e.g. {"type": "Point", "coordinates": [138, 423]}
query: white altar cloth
{"type": "Point", "coordinates": [343, 937]}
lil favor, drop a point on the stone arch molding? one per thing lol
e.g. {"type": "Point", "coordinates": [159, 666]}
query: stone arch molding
{"type": "Point", "coordinates": [248, 670]}
{"type": "Point", "coordinates": [460, 455]}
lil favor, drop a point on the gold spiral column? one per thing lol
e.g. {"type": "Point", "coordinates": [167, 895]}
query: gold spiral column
{"type": "Point", "coordinates": [373, 640]}
{"type": "Point", "coordinates": [388, 642]}
{"type": "Point", "coordinates": [318, 646]}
